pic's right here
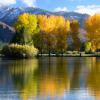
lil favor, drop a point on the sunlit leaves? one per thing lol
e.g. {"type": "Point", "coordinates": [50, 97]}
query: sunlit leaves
{"type": "Point", "coordinates": [28, 22]}
{"type": "Point", "coordinates": [92, 26]}
{"type": "Point", "coordinates": [26, 27]}
{"type": "Point", "coordinates": [55, 29]}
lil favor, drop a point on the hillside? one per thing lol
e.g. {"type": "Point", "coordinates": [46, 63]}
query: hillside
{"type": "Point", "coordinates": [9, 17]}
{"type": "Point", "coordinates": [6, 32]}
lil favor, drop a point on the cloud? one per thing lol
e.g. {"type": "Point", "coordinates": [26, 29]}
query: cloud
{"type": "Point", "coordinates": [61, 9]}
{"type": "Point", "coordinates": [90, 9]}
{"type": "Point", "coordinates": [7, 2]}
{"type": "Point", "coordinates": [29, 3]}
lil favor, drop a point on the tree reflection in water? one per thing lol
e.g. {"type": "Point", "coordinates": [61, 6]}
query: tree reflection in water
{"type": "Point", "coordinates": [50, 77]}
{"type": "Point", "coordinates": [76, 74]}
{"type": "Point", "coordinates": [53, 77]}
{"type": "Point", "coordinates": [22, 72]}
{"type": "Point", "coordinates": [93, 79]}
{"type": "Point", "coordinates": [43, 77]}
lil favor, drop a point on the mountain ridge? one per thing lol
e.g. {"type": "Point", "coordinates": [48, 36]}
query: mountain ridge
{"type": "Point", "coordinates": [10, 15]}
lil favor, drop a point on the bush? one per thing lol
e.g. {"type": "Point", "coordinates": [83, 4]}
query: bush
{"type": "Point", "coordinates": [88, 47]}
{"type": "Point", "coordinates": [19, 51]}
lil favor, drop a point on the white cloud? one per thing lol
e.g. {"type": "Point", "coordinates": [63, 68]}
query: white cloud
{"type": "Point", "coordinates": [7, 2]}
{"type": "Point", "coordinates": [61, 9]}
{"type": "Point", "coordinates": [90, 9]}
{"type": "Point", "coordinates": [29, 2]}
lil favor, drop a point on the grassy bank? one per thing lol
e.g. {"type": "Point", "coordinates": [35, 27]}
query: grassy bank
{"type": "Point", "coordinates": [65, 55]}
{"type": "Point", "coordinates": [70, 55]}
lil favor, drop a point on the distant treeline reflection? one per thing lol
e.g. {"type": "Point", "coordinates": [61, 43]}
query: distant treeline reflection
{"type": "Point", "coordinates": [51, 76]}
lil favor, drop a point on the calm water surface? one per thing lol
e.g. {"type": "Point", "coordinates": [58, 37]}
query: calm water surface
{"type": "Point", "coordinates": [50, 79]}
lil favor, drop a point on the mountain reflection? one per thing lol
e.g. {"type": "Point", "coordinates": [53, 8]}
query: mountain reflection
{"type": "Point", "coordinates": [49, 77]}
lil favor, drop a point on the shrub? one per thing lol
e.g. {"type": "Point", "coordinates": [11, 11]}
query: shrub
{"type": "Point", "coordinates": [19, 51]}
{"type": "Point", "coordinates": [88, 47]}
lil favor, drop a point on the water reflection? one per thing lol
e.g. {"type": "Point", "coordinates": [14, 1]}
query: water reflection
{"type": "Point", "coordinates": [93, 79]}
{"type": "Point", "coordinates": [53, 78]}
{"type": "Point", "coordinates": [22, 73]}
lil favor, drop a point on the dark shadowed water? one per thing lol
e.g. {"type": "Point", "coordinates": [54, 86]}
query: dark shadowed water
{"type": "Point", "coordinates": [70, 78]}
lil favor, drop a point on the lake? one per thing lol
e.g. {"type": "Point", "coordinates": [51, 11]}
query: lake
{"type": "Point", "coordinates": [62, 78]}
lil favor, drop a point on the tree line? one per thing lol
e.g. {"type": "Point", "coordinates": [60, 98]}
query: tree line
{"type": "Point", "coordinates": [49, 33]}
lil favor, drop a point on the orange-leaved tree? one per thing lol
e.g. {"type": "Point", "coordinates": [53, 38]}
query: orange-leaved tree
{"type": "Point", "coordinates": [55, 29]}
{"type": "Point", "coordinates": [92, 26]}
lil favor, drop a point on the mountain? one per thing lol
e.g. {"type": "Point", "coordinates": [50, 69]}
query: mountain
{"type": "Point", "coordinates": [73, 15]}
{"type": "Point", "coordinates": [6, 32]}
{"type": "Point", "coordinates": [8, 17]}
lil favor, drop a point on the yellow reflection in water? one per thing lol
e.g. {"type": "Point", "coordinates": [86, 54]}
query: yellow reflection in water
{"type": "Point", "coordinates": [22, 72]}
{"type": "Point", "coordinates": [23, 66]}
{"type": "Point", "coordinates": [53, 81]}
{"type": "Point", "coordinates": [43, 77]}
{"type": "Point", "coordinates": [93, 80]}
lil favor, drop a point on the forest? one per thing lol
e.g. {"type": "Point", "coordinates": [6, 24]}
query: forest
{"type": "Point", "coordinates": [49, 34]}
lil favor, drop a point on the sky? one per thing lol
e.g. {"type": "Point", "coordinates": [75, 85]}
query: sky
{"type": "Point", "coordinates": [82, 6]}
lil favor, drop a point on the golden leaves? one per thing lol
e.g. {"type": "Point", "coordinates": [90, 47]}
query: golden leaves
{"type": "Point", "coordinates": [92, 26]}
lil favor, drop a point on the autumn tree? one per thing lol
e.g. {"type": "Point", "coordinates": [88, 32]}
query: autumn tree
{"type": "Point", "coordinates": [74, 26]}
{"type": "Point", "coordinates": [46, 24]}
{"type": "Point", "coordinates": [47, 33]}
{"type": "Point", "coordinates": [26, 26]}
{"type": "Point", "coordinates": [38, 40]}
{"type": "Point", "coordinates": [55, 29]}
{"type": "Point", "coordinates": [92, 26]}
{"type": "Point", "coordinates": [62, 27]}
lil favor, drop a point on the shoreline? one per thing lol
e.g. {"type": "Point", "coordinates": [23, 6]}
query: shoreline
{"type": "Point", "coordinates": [69, 55]}
{"type": "Point", "coordinates": [62, 55]}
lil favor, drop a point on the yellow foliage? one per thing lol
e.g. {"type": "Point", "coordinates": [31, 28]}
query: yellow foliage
{"type": "Point", "coordinates": [23, 19]}
{"type": "Point", "coordinates": [17, 51]}
{"type": "Point", "coordinates": [29, 49]}
{"type": "Point", "coordinates": [28, 22]}
{"type": "Point", "coordinates": [92, 26]}
{"type": "Point", "coordinates": [55, 26]}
